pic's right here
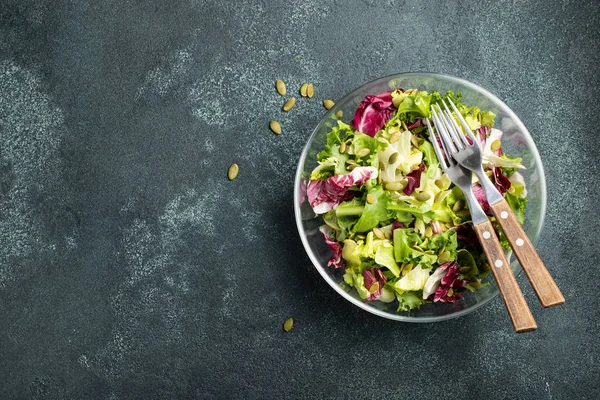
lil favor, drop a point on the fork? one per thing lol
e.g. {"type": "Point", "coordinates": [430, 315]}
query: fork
{"type": "Point", "coordinates": [469, 156]}
{"type": "Point", "coordinates": [517, 308]}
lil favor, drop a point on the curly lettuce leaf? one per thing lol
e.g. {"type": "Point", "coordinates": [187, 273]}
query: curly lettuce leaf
{"type": "Point", "coordinates": [416, 106]}
{"type": "Point", "coordinates": [408, 301]}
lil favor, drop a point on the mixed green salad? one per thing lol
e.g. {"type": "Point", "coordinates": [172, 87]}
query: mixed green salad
{"type": "Point", "coordinates": [396, 225]}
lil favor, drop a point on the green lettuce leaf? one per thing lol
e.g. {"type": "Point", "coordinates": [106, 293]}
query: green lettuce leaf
{"type": "Point", "coordinates": [357, 281]}
{"type": "Point", "coordinates": [517, 205]}
{"type": "Point", "coordinates": [376, 213]}
{"type": "Point", "coordinates": [385, 256]}
{"type": "Point", "coordinates": [332, 147]}
{"type": "Point", "coordinates": [414, 280]}
{"type": "Point", "coordinates": [409, 300]}
{"type": "Point", "coordinates": [417, 106]}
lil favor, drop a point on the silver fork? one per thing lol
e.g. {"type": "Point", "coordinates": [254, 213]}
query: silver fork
{"type": "Point", "coordinates": [514, 301]}
{"type": "Point", "coordinates": [468, 155]}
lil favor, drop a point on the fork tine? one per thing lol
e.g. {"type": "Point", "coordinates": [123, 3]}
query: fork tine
{"type": "Point", "coordinates": [465, 125]}
{"type": "Point", "coordinates": [447, 143]}
{"type": "Point", "coordinates": [436, 146]}
{"type": "Point", "coordinates": [455, 129]}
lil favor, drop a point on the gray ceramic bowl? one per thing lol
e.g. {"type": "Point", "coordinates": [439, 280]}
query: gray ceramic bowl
{"type": "Point", "coordinates": [516, 141]}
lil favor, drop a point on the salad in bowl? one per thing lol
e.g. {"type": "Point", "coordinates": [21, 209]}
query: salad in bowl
{"type": "Point", "coordinates": [399, 233]}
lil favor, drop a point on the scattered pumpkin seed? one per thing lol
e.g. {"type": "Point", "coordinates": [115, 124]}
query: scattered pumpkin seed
{"type": "Point", "coordinates": [388, 234]}
{"type": "Point", "coordinates": [289, 104]}
{"type": "Point", "coordinates": [352, 162]}
{"type": "Point", "coordinates": [511, 189]}
{"type": "Point", "coordinates": [339, 114]}
{"type": "Point", "coordinates": [406, 269]}
{"type": "Point", "coordinates": [275, 127]}
{"type": "Point", "coordinates": [370, 198]}
{"type": "Point", "coordinates": [458, 205]}
{"type": "Point", "coordinates": [310, 90]}
{"type": "Point", "coordinates": [439, 183]}
{"type": "Point", "coordinates": [444, 257]}
{"type": "Point", "coordinates": [343, 147]}
{"type": "Point", "coordinates": [495, 145]}
{"type": "Point", "coordinates": [423, 196]}
{"type": "Point", "coordinates": [351, 167]}
{"type": "Point", "coordinates": [395, 137]}
{"type": "Point", "coordinates": [360, 237]}
{"type": "Point", "coordinates": [378, 233]}
{"type": "Point", "coordinates": [233, 171]}
{"type": "Point", "coordinates": [280, 85]}
{"type": "Point", "coordinates": [303, 90]}
{"type": "Point", "coordinates": [288, 324]}
{"type": "Point", "coordinates": [393, 158]}
{"type": "Point", "coordinates": [363, 152]}
{"type": "Point", "coordinates": [450, 292]}
{"type": "Point", "coordinates": [328, 104]}
{"type": "Point", "coordinates": [394, 186]}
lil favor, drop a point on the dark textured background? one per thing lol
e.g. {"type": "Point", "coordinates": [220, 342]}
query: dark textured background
{"type": "Point", "coordinates": [131, 268]}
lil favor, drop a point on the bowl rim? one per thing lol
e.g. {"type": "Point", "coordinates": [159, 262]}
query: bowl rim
{"type": "Point", "coordinates": [297, 197]}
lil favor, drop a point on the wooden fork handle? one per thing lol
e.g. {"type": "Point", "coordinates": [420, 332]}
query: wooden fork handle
{"type": "Point", "coordinates": [544, 286]}
{"type": "Point", "coordinates": [510, 291]}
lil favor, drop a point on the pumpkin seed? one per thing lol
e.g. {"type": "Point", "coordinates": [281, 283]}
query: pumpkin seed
{"type": "Point", "coordinates": [310, 90]}
{"type": "Point", "coordinates": [328, 104]}
{"type": "Point", "coordinates": [406, 269]}
{"type": "Point", "coordinates": [450, 292]}
{"type": "Point", "coordinates": [423, 196]}
{"type": "Point", "coordinates": [511, 189]}
{"type": "Point", "coordinates": [414, 141]}
{"type": "Point", "coordinates": [394, 186]}
{"type": "Point", "coordinates": [370, 198]}
{"type": "Point", "coordinates": [439, 183]}
{"type": "Point", "coordinates": [233, 171]}
{"type": "Point", "coordinates": [495, 146]}
{"type": "Point", "coordinates": [395, 137]}
{"type": "Point", "coordinates": [444, 257]}
{"type": "Point", "coordinates": [339, 114]}
{"type": "Point", "coordinates": [275, 127]}
{"type": "Point", "coordinates": [388, 234]}
{"type": "Point", "coordinates": [288, 324]}
{"type": "Point", "coordinates": [289, 104]}
{"type": "Point", "coordinates": [428, 232]}
{"type": "Point", "coordinates": [303, 90]}
{"type": "Point", "coordinates": [378, 233]}
{"type": "Point", "coordinates": [280, 85]}
{"type": "Point", "coordinates": [352, 162]}
{"type": "Point", "coordinates": [360, 236]}
{"type": "Point", "coordinates": [458, 205]}
{"type": "Point", "coordinates": [374, 288]}
{"type": "Point", "coordinates": [393, 158]}
{"type": "Point", "coordinates": [463, 213]}
{"type": "Point", "coordinates": [343, 147]}
{"type": "Point", "coordinates": [363, 152]}
{"type": "Point", "coordinates": [351, 167]}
